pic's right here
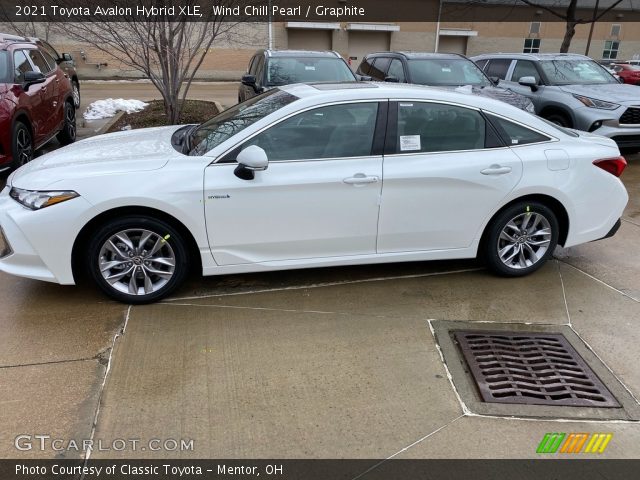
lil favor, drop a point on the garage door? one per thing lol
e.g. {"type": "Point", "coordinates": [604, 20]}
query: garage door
{"type": "Point", "coordinates": [300, 39]}
{"type": "Point", "coordinates": [453, 44]}
{"type": "Point", "coordinates": [362, 43]}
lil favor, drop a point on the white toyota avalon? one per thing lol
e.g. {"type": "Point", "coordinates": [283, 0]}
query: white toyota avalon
{"type": "Point", "coordinates": [309, 176]}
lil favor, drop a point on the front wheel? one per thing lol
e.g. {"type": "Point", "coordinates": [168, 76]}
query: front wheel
{"type": "Point", "coordinates": [521, 239]}
{"type": "Point", "coordinates": [68, 133]}
{"type": "Point", "coordinates": [137, 259]}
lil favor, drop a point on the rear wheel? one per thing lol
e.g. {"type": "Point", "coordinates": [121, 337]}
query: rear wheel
{"type": "Point", "coordinates": [22, 145]}
{"type": "Point", "coordinates": [521, 239]}
{"type": "Point", "coordinates": [68, 133]}
{"type": "Point", "coordinates": [137, 259]}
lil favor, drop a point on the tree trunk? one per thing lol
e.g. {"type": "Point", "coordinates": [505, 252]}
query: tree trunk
{"type": "Point", "coordinates": [568, 36]}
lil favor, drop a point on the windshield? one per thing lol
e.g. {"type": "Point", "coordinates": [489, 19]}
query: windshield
{"type": "Point", "coordinates": [225, 125]}
{"type": "Point", "coordinates": [4, 67]}
{"type": "Point", "coordinates": [583, 72]}
{"type": "Point", "coordinates": [449, 72]}
{"type": "Point", "coordinates": [283, 71]}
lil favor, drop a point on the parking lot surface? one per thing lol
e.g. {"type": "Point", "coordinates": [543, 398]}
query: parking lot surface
{"type": "Point", "coordinates": [325, 363]}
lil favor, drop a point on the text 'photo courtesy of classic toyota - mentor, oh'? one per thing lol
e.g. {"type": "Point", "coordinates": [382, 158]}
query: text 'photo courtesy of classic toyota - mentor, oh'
{"type": "Point", "coordinates": [308, 176]}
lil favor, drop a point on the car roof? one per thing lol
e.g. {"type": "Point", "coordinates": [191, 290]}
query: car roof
{"type": "Point", "coordinates": [6, 40]}
{"type": "Point", "coordinates": [419, 55]}
{"type": "Point", "coordinates": [302, 53]}
{"type": "Point", "coordinates": [532, 56]}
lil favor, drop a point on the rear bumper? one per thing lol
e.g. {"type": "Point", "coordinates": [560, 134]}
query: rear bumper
{"type": "Point", "coordinates": [613, 230]}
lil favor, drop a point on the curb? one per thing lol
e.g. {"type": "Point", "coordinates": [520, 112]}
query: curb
{"type": "Point", "coordinates": [110, 123]}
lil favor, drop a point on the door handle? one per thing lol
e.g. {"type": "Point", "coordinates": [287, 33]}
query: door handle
{"type": "Point", "coordinates": [496, 170]}
{"type": "Point", "coordinates": [360, 179]}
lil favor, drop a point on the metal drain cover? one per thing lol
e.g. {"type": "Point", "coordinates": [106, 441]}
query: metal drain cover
{"type": "Point", "coordinates": [535, 369]}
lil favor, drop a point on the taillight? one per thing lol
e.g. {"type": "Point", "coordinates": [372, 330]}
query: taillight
{"type": "Point", "coordinates": [615, 166]}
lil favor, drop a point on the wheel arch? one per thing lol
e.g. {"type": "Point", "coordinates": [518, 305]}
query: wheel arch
{"type": "Point", "coordinates": [556, 109]}
{"type": "Point", "coordinates": [553, 203]}
{"type": "Point", "coordinates": [82, 239]}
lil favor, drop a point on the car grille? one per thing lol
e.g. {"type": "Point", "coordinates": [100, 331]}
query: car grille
{"type": "Point", "coordinates": [5, 248]}
{"type": "Point", "coordinates": [631, 116]}
{"type": "Point", "coordinates": [534, 369]}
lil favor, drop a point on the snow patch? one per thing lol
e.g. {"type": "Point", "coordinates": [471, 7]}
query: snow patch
{"type": "Point", "coordinates": [107, 108]}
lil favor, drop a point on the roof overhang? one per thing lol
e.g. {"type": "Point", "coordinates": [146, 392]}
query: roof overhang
{"type": "Point", "coordinates": [373, 27]}
{"type": "Point", "coordinates": [314, 25]}
{"type": "Point", "coordinates": [452, 32]}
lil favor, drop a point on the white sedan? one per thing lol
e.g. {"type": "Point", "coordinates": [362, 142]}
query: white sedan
{"type": "Point", "coordinates": [308, 176]}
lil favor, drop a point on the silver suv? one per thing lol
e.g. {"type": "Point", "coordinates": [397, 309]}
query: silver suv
{"type": "Point", "coordinates": [572, 91]}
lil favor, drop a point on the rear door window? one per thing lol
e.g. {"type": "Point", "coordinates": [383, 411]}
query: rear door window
{"type": "Point", "coordinates": [498, 67]}
{"type": "Point", "coordinates": [433, 127]}
{"type": "Point", "coordinates": [39, 62]}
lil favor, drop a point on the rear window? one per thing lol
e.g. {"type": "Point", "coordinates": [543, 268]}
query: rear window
{"type": "Point", "coordinates": [283, 71]}
{"type": "Point", "coordinates": [4, 68]}
{"type": "Point", "coordinates": [515, 134]}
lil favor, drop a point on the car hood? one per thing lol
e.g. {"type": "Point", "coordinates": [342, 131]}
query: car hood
{"type": "Point", "coordinates": [497, 93]}
{"type": "Point", "coordinates": [610, 92]}
{"type": "Point", "coordinates": [121, 152]}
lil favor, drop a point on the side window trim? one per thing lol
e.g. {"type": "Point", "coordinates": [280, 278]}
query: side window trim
{"type": "Point", "coordinates": [229, 156]}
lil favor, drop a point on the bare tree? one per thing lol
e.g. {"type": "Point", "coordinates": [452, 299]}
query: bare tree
{"type": "Point", "coordinates": [167, 49]}
{"type": "Point", "coordinates": [567, 10]}
{"type": "Point", "coordinates": [24, 29]}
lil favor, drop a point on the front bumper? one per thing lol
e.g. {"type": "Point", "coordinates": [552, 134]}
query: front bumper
{"type": "Point", "coordinates": [41, 241]}
{"type": "Point", "coordinates": [608, 125]}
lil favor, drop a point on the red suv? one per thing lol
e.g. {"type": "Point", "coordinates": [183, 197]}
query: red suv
{"type": "Point", "coordinates": [36, 102]}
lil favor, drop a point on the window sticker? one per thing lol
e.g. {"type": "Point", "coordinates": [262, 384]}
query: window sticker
{"type": "Point", "coordinates": [406, 104]}
{"type": "Point", "coordinates": [409, 143]}
{"type": "Point", "coordinates": [310, 67]}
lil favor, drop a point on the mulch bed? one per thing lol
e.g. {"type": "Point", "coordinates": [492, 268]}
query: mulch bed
{"type": "Point", "coordinates": [194, 111]}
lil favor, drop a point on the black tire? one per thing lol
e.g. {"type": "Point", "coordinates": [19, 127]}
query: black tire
{"type": "Point", "coordinates": [21, 145]}
{"type": "Point", "coordinates": [68, 133]}
{"type": "Point", "coordinates": [559, 119]}
{"type": "Point", "coordinates": [172, 243]}
{"type": "Point", "coordinates": [75, 88]}
{"type": "Point", "coordinates": [528, 262]}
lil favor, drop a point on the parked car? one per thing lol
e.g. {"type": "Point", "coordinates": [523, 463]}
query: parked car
{"type": "Point", "coordinates": [36, 102]}
{"type": "Point", "coordinates": [628, 73]}
{"type": "Point", "coordinates": [572, 91]}
{"type": "Point", "coordinates": [274, 68]}
{"type": "Point", "coordinates": [294, 178]}
{"type": "Point", "coordinates": [446, 70]}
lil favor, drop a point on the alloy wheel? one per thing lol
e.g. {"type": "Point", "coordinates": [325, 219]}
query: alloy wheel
{"type": "Point", "coordinates": [70, 120]}
{"type": "Point", "coordinates": [137, 261]}
{"type": "Point", "coordinates": [524, 240]}
{"type": "Point", "coordinates": [76, 95]}
{"type": "Point", "coordinates": [24, 148]}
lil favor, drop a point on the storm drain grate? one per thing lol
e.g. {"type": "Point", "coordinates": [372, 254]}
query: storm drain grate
{"type": "Point", "coordinates": [535, 369]}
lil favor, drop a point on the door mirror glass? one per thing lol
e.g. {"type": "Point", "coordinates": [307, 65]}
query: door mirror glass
{"type": "Point", "coordinates": [66, 57]}
{"type": "Point", "coordinates": [249, 80]}
{"type": "Point", "coordinates": [32, 78]}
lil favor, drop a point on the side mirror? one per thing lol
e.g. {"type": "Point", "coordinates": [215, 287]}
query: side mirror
{"type": "Point", "coordinates": [66, 57]}
{"type": "Point", "coordinates": [363, 78]}
{"type": "Point", "coordinates": [529, 82]}
{"type": "Point", "coordinates": [32, 78]}
{"type": "Point", "coordinates": [391, 80]}
{"type": "Point", "coordinates": [249, 80]}
{"type": "Point", "coordinates": [495, 80]}
{"type": "Point", "coordinates": [250, 160]}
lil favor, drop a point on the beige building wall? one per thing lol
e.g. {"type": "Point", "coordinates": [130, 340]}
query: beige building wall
{"type": "Point", "coordinates": [229, 56]}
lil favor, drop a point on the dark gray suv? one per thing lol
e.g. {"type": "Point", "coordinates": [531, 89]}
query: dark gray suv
{"type": "Point", "coordinates": [272, 68]}
{"type": "Point", "coordinates": [572, 91]}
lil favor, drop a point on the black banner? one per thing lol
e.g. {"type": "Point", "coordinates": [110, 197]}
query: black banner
{"type": "Point", "coordinates": [544, 469]}
{"type": "Point", "coordinates": [306, 11]}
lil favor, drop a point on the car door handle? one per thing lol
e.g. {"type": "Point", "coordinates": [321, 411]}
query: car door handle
{"type": "Point", "coordinates": [496, 170]}
{"type": "Point", "coordinates": [360, 179]}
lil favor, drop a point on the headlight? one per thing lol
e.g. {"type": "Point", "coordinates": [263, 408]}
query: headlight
{"type": "Point", "coordinates": [595, 103]}
{"type": "Point", "coordinates": [36, 200]}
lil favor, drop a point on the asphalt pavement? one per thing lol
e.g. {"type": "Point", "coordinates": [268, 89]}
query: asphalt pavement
{"type": "Point", "coordinates": [317, 363]}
